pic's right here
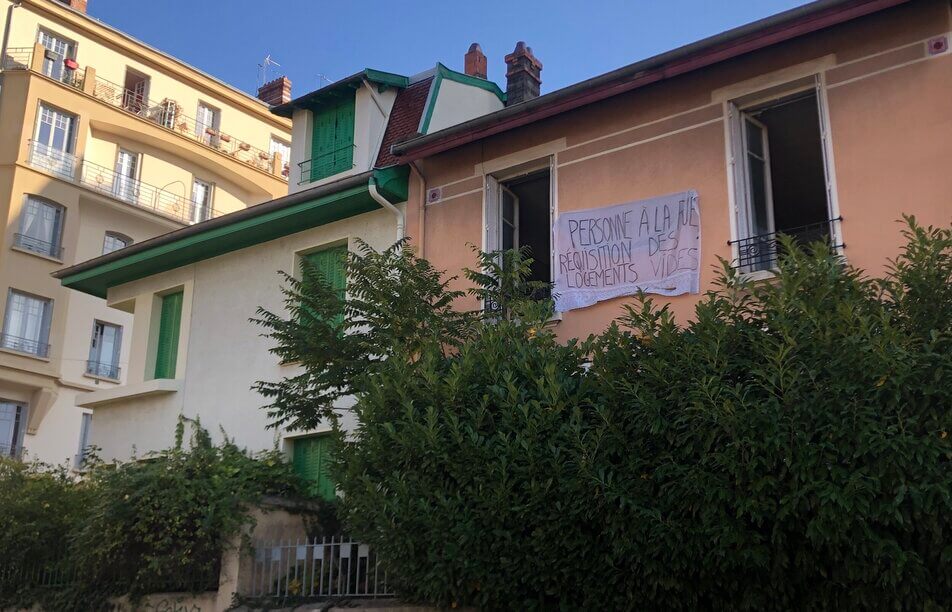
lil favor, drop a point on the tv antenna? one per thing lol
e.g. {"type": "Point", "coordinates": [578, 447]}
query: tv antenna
{"type": "Point", "coordinates": [266, 63]}
{"type": "Point", "coordinates": [321, 77]}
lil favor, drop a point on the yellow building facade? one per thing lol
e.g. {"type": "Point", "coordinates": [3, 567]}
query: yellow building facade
{"type": "Point", "coordinates": [106, 142]}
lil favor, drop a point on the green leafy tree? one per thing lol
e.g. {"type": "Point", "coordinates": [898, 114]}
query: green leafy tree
{"type": "Point", "coordinates": [789, 447]}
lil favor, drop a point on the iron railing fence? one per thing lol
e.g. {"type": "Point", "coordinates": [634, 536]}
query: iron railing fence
{"type": "Point", "coordinates": [326, 165]}
{"type": "Point", "coordinates": [102, 369]}
{"type": "Point", "coordinates": [17, 58]}
{"type": "Point", "coordinates": [11, 451]}
{"type": "Point", "coordinates": [35, 245]}
{"type": "Point", "coordinates": [135, 192]}
{"type": "Point", "coordinates": [52, 160]}
{"type": "Point", "coordinates": [25, 345]}
{"type": "Point", "coordinates": [292, 570]}
{"type": "Point", "coordinates": [761, 252]}
{"type": "Point", "coordinates": [168, 113]}
{"type": "Point", "coordinates": [59, 572]}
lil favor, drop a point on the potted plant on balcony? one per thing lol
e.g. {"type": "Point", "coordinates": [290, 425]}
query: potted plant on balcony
{"type": "Point", "coordinates": [264, 155]}
{"type": "Point", "coordinates": [244, 146]}
{"type": "Point", "coordinates": [224, 137]}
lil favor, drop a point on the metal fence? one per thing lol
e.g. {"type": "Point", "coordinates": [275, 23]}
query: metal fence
{"type": "Point", "coordinates": [762, 252]}
{"type": "Point", "coordinates": [11, 451]}
{"type": "Point", "coordinates": [302, 569]}
{"type": "Point", "coordinates": [102, 369]}
{"type": "Point", "coordinates": [326, 165]}
{"type": "Point", "coordinates": [17, 58]}
{"type": "Point", "coordinates": [52, 160]}
{"type": "Point", "coordinates": [25, 345]}
{"type": "Point", "coordinates": [35, 245]}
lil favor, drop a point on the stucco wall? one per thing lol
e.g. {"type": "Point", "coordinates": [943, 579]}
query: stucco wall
{"type": "Point", "coordinates": [890, 127]}
{"type": "Point", "coordinates": [221, 354]}
{"type": "Point", "coordinates": [457, 103]}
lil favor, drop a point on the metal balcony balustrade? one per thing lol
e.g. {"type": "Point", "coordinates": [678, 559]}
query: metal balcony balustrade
{"type": "Point", "coordinates": [11, 451]}
{"type": "Point", "coordinates": [102, 369]}
{"type": "Point", "coordinates": [761, 252]}
{"type": "Point", "coordinates": [328, 164]}
{"type": "Point", "coordinates": [166, 113]}
{"type": "Point", "coordinates": [24, 345]}
{"type": "Point", "coordinates": [52, 160]}
{"type": "Point", "coordinates": [36, 245]}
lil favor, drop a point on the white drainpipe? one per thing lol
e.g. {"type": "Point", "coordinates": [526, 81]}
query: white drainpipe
{"type": "Point", "coordinates": [401, 218]}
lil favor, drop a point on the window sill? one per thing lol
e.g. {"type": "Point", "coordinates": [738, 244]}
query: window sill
{"type": "Point", "coordinates": [35, 254]}
{"type": "Point", "coordinates": [759, 275]}
{"type": "Point", "coordinates": [148, 388]}
{"type": "Point", "coordinates": [24, 354]}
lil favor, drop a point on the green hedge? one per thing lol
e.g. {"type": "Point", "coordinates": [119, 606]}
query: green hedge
{"type": "Point", "coordinates": [787, 448]}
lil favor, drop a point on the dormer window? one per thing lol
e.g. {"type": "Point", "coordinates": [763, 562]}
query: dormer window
{"type": "Point", "coordinates": [332, 141]}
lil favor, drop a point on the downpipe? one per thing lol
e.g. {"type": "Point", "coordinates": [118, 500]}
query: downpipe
{"type": "Point", "coordinates": [401, 217]}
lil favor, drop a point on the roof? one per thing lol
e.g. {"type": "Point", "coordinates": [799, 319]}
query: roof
{"type": "Point", "coordinates": [293, 213]}
{"type": "Point", "coordinates": [335, 89]}
{"type": "Point", "coordinates": [706, 52]}
{"type": "Point", "coordinates": [404, 119]}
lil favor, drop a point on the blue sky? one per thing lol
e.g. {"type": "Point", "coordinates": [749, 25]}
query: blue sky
{"type": "Point", "coordinates": [574, 39]}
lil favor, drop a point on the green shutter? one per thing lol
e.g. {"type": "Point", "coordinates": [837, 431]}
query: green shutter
{"type": "Point", "coordinates": [332, 139]}
{"type": "Point", "coordinates": [312, 463]}
{"type": "Point", "coordinates": [170, 321]}
{"type": "Point", "coordinates": [331, 264]}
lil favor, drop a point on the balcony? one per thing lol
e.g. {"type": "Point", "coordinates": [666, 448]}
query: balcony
{"type": "Point", "coordinates": [102, 369]}
{"type": "Point", "coordinates": [135, 192]}
{"type": "Point", "coordinates": [52, 160]}
{"type": "Point", "coordinates": [328, 164]}
{"type": "Point", "coordinates": [25, 345]}
{"type": "Point", "coordinates": [165, 113]}
{"type": "Point", "coordinates": [35, 245]}
{"type": "Point", "coordinates": [761, 252]}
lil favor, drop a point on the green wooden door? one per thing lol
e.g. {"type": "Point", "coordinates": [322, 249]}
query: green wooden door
{"type": "Point", "coordinates": [331, 264]}
{"type": "Point", "coordinates": [170, 322]}
{"type": "Point", "coordinates": [311, 462]}
{"type": "Point", "coordinates": [332, 139]}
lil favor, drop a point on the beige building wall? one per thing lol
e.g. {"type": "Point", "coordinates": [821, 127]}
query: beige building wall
{"type": "Point", "coordinates": [49, 388]}
{"type": "Point", "coordinates": [220, 353]}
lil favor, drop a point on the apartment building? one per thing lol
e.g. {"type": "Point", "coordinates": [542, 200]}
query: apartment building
{"type": "Point", "coordinates": [826, 122]}
{"type": "Point", "coordinates": [191, 292]}
{"type": "Point", "coordinates": [107, 142]}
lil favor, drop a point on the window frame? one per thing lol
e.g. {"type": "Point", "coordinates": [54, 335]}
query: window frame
{"type": "Point", "coordinates": [124, 239]}
{"type": "Point", "coordinates": [73, 47]}
{"type": "Point", "coordinates": [55, 250]}
{"type": "Point", "coordinates": [96, 351]}
{"type": "Point", "coordinates": [201, 127]}
{"type": "Point", "coordinates": [209, 201]}
{"type": "Point", "coordinates": [85, 427]}
{"type": "Point", "coordinates": [20, 420]}
{"type": "Point", "coordinates": [45, 325]}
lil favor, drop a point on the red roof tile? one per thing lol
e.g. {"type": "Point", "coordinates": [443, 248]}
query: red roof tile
{"type": "Point", "coordinates": [404, 119]}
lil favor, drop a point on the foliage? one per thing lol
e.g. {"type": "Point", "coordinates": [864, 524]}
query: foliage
{"type": "Point", "coordinates": [157, 524]}
{"type": "Point", "coordinates": [787, 448]}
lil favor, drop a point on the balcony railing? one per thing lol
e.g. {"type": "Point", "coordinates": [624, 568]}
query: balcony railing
{"type": "Point", "coordinates": [762, 252]}
{"type": "Point", "coordinates": [328, 164]}
{"type": "Point", "coordinates": [11, 451]}
{"type": "Point", "coordinates": [137, 193]}
{"type": "Point", "coordinates": [102, 369]}
{"type": "Point", "coordinates": [52, 160]}
{"type": "Point", "coordinates": [166, 113]}
{"type": "Point", "coordinates": [25, 345]}
{"type": "Point", "coordinates": [35, 245]}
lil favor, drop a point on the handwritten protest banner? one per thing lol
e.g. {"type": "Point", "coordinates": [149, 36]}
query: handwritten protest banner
{"type": "Point", "coordinates": [650, 245]}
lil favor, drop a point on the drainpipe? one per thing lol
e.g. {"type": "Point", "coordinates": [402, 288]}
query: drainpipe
{"type": "Point", "coordinates": [401, 218]}
{"type": "Point", "coordinates": [422, 230]}
{"type": "Point", "coordinates": [6, 34]}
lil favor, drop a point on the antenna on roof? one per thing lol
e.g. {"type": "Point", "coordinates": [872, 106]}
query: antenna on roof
{"type": "Point", "coordinates": [323, 77]}
{"type": "Point", "coordinates": [266, 63]}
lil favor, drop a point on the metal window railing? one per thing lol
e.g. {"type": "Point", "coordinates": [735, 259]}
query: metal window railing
{"type": "Point", "coordinates": [761, 252]}
{"type": "Point", "coordinates": [326, 165]}
{"type": "Point", "coordinates": [25, 345]}
{"type": "Point", "coordinates": [52, 160]}
{"type": "Point", "coordinates": [102, 369]}
{"type": "Point", "coordinates": [35, 245]}
{"type": "Point", "coordinates": [135, 192]}
{"type": "Point", "coordinates": [318, 568]}
{"type": "Point", "coordinates": [11, 451]}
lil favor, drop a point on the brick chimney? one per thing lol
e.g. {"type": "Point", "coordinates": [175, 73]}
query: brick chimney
{"type": "Point", "coordinates": [275, 92]}
{"type": "Point", "coordinates": [79, 5]}
{"type": "Point", "coordinates": [475, 61]}
{"type": "Point", "coordinates": [523, 75]}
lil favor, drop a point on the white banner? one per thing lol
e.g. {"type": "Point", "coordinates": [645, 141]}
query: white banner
{"type": "Point", "coordinates": [650, 245]}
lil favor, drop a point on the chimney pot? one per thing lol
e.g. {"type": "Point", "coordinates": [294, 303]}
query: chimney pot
{"type": "Point", "coordinates": [475, 61]}
{"type": "Point", "coordinates": [523, 75]}
{"type": "Point", "coordinates": [276, 92]}
{"type": "Point", "coordinates": [79, 5]}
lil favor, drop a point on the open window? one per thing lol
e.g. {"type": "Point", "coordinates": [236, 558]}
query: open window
{"type": "Point", "coordinates": [518, 213]}
{"type": "Point", "coordinates": [135, 95]}
{"type": "Point", "coordinates": [781, 175]}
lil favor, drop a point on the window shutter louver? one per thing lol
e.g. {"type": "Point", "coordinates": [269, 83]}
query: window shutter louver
{"type": "Point", "coordinates": [311, 461]}
{"type": "Point", "coordinates": [170, 322]}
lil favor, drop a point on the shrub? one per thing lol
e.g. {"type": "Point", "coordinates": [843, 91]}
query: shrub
{"type": "Point", "coordinates": [787, 448]}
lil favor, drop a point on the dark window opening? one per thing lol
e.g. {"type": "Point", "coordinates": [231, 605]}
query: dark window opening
{"type": "Point", "coordinates": [135, 96]}
{"type": "Point", "coordinates": [529, 197]}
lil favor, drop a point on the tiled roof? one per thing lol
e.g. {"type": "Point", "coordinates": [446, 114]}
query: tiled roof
{"type": "Point", "coordinates": [404, 119]}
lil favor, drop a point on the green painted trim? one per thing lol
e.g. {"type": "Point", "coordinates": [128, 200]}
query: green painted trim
{"type": "Point", "coordinates": [431, 102]}
{"type": "Point", "coordinates": [386, 78]}
{"type": "Point", "coordinates": [319, 96]}
{"type": "Point", "coordinates": [220, 239]}
{"type": "Point", "coordinates": [466, 79]}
